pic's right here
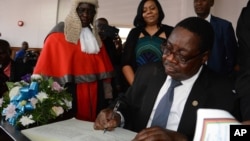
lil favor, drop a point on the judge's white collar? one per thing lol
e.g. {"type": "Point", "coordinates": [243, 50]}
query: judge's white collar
{"type": "Point", "coordinates": [88, 41]}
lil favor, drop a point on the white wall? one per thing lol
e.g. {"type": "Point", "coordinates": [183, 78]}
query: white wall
{"type": "Point", "coordinates": [122, 12]}
{"type": "Point", "coordinates": [40, 16]}
{"type": "Point", "coordinates": [229, 9]}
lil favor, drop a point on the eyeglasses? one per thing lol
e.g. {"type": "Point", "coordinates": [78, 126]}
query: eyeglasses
{"type": "Point", "coordinates": [178, 57]}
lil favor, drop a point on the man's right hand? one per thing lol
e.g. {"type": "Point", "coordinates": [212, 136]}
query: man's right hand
{"type": "Point", "coordinates": [107, 120]}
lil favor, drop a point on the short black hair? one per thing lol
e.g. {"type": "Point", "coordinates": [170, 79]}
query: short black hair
{"type": "Point", "coordinates": [5, 46]}
{"type": "Point", "coordinates": [102, 19]}
{"type": "Point", "coordinates": [202, 28]}
{"type": "Point", "coordinates": [139, 21]}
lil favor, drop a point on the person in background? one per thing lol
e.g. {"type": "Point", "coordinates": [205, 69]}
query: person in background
{"type": "Point", "coordinates": [74, 56]}
{"type": "Point", "coordinates": [4, 63]}
{"type": "Point", "coordinates": [13, 70]}
{"type": "Point", "coordinates": [184, 59]}
{"type": "Point", "coordinates": [26, 64]}
{"type": "Point", "coordinates": [112, 41]}
{"type": "Point", "coordinates": [224, 53]}
{"type": "Point", "coordinates": [21, 53]}
{"type": "Point", "coordinates": [243, 76]}
{"type": "Point", "coordinates": [243, 35]}
{"type": "Point", "coordinates": [7, 66]}
{"type": "Point", "coordinates": [142, 45]}
{"type": "Point", "coordinates": [3, 80]}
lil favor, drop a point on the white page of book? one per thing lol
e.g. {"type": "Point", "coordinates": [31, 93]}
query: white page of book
{"type": "Point", "coordinates": [213, 125]}
{"type": "Point", "coordinates": [76, 130]}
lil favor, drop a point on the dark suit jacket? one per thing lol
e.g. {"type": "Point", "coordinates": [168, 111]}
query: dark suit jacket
{"type": "Point", "coordinates": [4, 78]}
{"type": "Point", "coordinates": [223, 55]}
{"type": "Point", "coordinates": [243, 34]}
{"type": "Point", "coordinates": [243, 79]}
{"type": "Point", "coordinates": [209, 90]}
{"type": "Point", "coordinates": [243, 89]}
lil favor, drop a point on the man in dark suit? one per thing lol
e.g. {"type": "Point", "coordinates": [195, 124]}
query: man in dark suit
{"type": "Point", "coordinates": [223, 54]}
{"type": "Point", "coordinates": [243, 34]}
{"type": "Point", "coordinates": [184, 56]}
{"type": "Point", "coordinates": [243, 79]}
{"type": "Point", "coordinates": [113, 43]}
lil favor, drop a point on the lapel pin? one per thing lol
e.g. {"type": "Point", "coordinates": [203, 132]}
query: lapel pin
{"type": "Point", "coordinates": [195, 103]}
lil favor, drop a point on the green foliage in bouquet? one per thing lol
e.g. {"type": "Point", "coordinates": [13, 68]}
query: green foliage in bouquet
{"type": "Point", "coordinates": [35, 102]}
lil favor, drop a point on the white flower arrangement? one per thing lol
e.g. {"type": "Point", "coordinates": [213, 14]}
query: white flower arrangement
{"type": "Point", "coordinates": [35, 102]}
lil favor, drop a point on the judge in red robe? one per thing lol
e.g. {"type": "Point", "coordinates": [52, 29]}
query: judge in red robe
{"type": "Point", "coordinates": [74, 56]}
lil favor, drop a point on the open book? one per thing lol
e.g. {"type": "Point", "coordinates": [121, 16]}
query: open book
{"type": "Point", "coordinates": [76, 130]}
{"type": "Point", "coordinates": [213, 125]}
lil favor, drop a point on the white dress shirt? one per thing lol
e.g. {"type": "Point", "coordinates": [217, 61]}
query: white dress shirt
{"type": "Point", "coordinates": [181, 94]}
{"type": "Point", "coordinates": [208, 18]}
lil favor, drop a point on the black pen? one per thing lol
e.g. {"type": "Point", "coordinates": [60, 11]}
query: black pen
{"type": "Point", "coordinates": [113, 113]}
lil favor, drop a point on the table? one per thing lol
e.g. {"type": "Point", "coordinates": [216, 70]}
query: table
{"type": "Point", "coordinates": [9, 133]}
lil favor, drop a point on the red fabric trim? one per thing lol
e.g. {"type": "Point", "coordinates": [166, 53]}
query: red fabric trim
{"type": "Point", "coordinates": [87, 101]}
{"type": "Point", "coordinates": [59, 57]}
